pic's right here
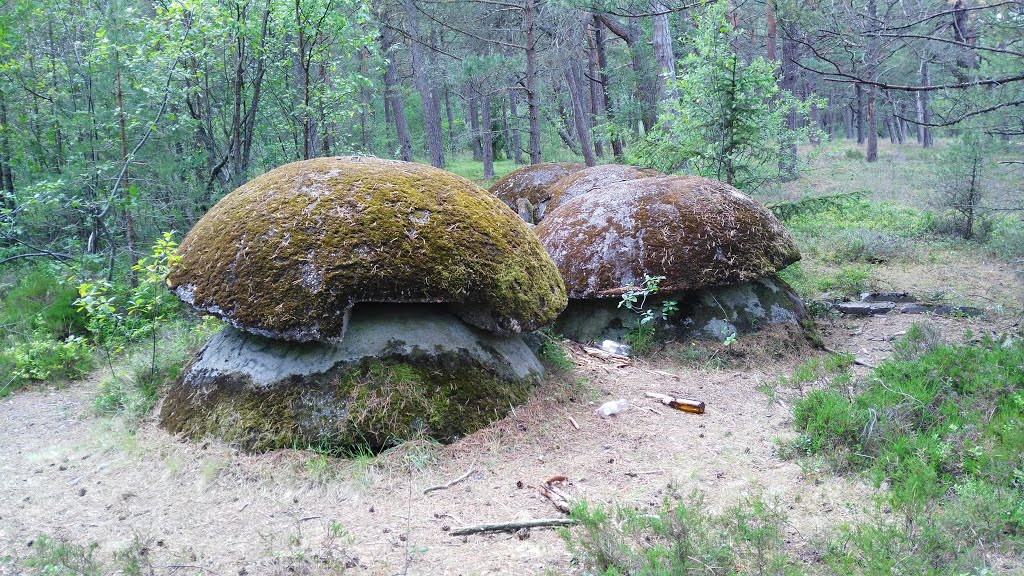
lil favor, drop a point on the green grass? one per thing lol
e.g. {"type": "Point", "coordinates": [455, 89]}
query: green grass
{"type": "Point", "coordinates": [941, 427]}
{"type": "Point", "coordinates": [474, 169]}
{"type": "Point", "coordinates": [680, 538]}
{"type": "Point", "coordinates": [143, 372]}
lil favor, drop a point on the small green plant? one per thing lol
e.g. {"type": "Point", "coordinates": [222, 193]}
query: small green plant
{"type": "Point", "coordinates": [553, 353]}
{"type": "Point", "coordinates": [635, 299]}
{"type": "Point", "coordinates": [640, 339]}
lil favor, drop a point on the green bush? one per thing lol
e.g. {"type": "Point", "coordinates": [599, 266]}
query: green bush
{"type": "Point", "coordinates": [1007, 238]}
{"type": "Point", "coordinates": [40, 358]}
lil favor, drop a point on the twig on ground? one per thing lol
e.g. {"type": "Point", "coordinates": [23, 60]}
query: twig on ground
{"type": "Point", "coordinates": [574, 423]}
{"type": "Point", "coordinates": [452, 483]}
{"type": "Point", "coordinates": [512, 526]}
{"type": "Point", "coordinates": [560, 499]}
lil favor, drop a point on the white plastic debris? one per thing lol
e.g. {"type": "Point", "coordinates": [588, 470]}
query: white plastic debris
{"type": "Point", "coordinates": [613, 407]}
{"type": "Point", "coordinates": [613, 347]}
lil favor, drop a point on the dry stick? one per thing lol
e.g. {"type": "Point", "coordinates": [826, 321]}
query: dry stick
{"type": "Point", "coordinates": [452, 483]}
{"type": "Point", "coordinates": [574, 423]}
{"type": "Point", "coordinates": [856, 360]}
{"type": "Point", "coordinates": [512, 526]}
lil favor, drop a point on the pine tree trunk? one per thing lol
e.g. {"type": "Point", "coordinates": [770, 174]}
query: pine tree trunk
{"type": "Point", "coordinates": [861, 124]}
{"type": "Point", "coordinates": [663, 54]}
{"type": "Point", "coordinates": [486, 135]}
{"type": "Point", "coordinates": [393, 95]}
{"type": "Point", "coordinates": [474, 124]}
{"type": "Point", "coordinates": [6, 173]}
{"type": "Point", "coordinates": [924, 113]}
{"type": "Point", "coordinates": [871, 154]}
{"type": "Point", "coordinates": [513, 108]}
{"type": "Point", "coordinates": [431, 112]}
{"type": "Point", "coordinates": [788, 161]}
{"type": "Point", "coordinates": [532, 95]}
{"type": "Point", "coordinates": [602, 66]}
{"type": "Point", "coordinates": [579, 111]}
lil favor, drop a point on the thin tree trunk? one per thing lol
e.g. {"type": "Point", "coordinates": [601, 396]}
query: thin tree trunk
{"type": "Point", "coordinates": [579, 108]}
{"type": "Point", "coordinates": [486, 135]}
{"type": "Point", "coordinates": [517, 142]}
{"type": "Point", "coordinates": [506, 130]}
{"type": "Point", "coordinates": [788, 162]}
{"type": "Point", "coordinates": [393, 95]}
{"type": "Point", "coordinates": [594, 103]}
{"type": "Point", "coordinates": [451, 119]}
{"type": "Point", "coordinates": [602, 66]}
{"type": "Point", "coordinates": [871, 154]}
{"type": "Point", "coordinates": [532, 95]}
{"type": "Point", "coordinates": [645, 92]}
{"type": "Point", "coordinates": [129, 218]}
{"type": "Point", "coordinates": [474, 124]}
{"type": "Point", "coordinates": [431, 112]}
{"type": "Point", "coordinates": [861, 124]}
{"type": "Point", "coordinates": [924, 113]}
{"type": "Point", "coordinates": [6, 173]}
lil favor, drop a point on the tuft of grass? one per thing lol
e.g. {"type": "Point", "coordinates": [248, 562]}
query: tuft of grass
{"type": "Point", "coordinates": [679, 539]}
{"type": "Point", "coordinates": [641, 339]}
{"type": "Point", "coordinates": [59, 556]}
{"type": "Point", "coordinates": [552, 352]}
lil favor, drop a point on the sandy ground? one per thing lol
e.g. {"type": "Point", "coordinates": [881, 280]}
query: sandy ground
{"type": "Point", "coordinates": [209, 509]}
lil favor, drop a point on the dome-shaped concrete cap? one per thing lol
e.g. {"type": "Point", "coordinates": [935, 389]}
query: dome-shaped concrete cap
{"type": "Point", "coordinates": [693, 231]}
{"type": "Point", "coordinates": [590, 179]}
{"type": "Point", "coordinates": [531, 182]}
{"type": "Point", "coordinates": [289, 253]}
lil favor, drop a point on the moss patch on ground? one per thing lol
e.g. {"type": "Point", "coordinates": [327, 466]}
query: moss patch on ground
{"type": "Point", "coordinates": [290, 252]}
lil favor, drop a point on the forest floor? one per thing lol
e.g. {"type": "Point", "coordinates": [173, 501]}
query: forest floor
{"type": "Point", "coordinates": [207, 508]}
{"type": "Point", "coordinates": [188, 508]}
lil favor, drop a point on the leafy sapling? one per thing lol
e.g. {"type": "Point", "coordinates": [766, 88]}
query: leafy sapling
{"type": "Point", "coordinates": [635, 299]}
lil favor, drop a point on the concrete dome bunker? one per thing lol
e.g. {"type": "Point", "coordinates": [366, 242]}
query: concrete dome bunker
{"type": "Point", "coordinates": [717, 249]}
{"type": "Point", "coordinates": [369, 300]}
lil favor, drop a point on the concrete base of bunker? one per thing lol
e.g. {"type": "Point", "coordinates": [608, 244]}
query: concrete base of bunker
{"type": "Point", "coordinates": [712, 313]}
{"type": "Point", "coordinates": [402, 371]}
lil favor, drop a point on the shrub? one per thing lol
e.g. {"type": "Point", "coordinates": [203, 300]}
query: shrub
{"type": "Point", "coordinates": [942, 426]}
{"type": "Point", "coordinates": [1007, 238]}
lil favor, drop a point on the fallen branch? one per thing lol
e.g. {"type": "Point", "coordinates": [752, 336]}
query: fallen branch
{"type": "Point", "coordinates": [574, 423]}
{"type": "Point", "coordinates": [512, 526]}
{"type": "Point", "coordinates": [452, 483]}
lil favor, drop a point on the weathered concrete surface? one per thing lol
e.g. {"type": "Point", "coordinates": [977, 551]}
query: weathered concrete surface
{"type": "Point", "coordinates": [711, 313]}
{"type": "Point", "coordinates": [402, 370]}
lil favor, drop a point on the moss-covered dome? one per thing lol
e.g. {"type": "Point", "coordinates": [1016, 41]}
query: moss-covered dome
{"type": "Point", "coordinates": [693, 231]}
{"type": "Point", "coordinates": [531, 183]}
{"type": "Point", "coordinates": [590, 179]}
{"type": "Point", "coordinates": [289, 253]}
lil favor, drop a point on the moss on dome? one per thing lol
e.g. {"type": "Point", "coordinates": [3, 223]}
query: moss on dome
{"type": "Point", "coordinates": [531, 183]}
{"type": "Point", "coordinates": [588, 180]}
{"type": "Point", "coordinates": [693, 231]}
{"type": "Point", "coordinates": [287, 254]}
